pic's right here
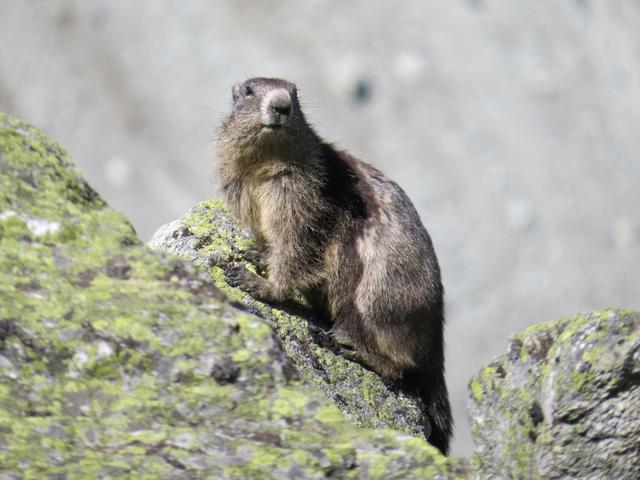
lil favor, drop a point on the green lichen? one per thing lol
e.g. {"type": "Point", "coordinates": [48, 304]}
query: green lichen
{"type": "Point", "coordinates": [329, 415]}
{"type": "Point", "coordinates": [221, 282]}
{"type": "Point", "coordinates": [485, 381]}
{"type": "Point", "coordinates": [476, 389]}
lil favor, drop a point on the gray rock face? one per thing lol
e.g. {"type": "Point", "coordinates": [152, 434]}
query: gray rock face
{"type": "Point", "coordinates": [564, 402]}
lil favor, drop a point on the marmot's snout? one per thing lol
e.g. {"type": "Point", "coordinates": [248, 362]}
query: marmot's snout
{"type": "Point", "coordinates": [276, 108]}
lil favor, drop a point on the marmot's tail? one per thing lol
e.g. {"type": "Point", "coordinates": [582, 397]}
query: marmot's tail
{"type": "Point", "coordinates": [432, 389]}
{"type": "Point", "coordinates": [436, 402]}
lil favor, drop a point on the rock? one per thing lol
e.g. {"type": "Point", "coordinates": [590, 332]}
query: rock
{"type": "Point", "coordinates": [563, 388]}
{"type": "Point", "coordinates": [119, 362]}
{"type": "Point", "coordinates": [564, 402]}
{"type": "Point", "coordinates": [207, 236]}
{"type": "Point", "coordinates": [535, 410]}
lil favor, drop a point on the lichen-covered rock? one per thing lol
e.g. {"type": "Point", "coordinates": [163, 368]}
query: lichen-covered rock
{"type": "Point", "coordinates": [117, 362]}
{"type": "Point", "coordinates": [207, 236]}
{"type": "Point", "coordinates": [564, 402]}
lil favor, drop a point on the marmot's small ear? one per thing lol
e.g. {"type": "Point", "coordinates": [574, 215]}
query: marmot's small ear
{"type": "Point", "coordinates": [235, 91]}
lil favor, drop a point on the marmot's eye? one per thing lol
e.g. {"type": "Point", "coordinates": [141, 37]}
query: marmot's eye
{"type": "Point", "coordinates": [248, 91]}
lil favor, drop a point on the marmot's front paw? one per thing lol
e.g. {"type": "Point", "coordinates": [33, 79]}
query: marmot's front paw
{"type": "Point", "coordinates": [246, 280]}
{"type": "Point", "coordinates": [241, 277]}
{"type": "Point", "coordinates": [257, 257]}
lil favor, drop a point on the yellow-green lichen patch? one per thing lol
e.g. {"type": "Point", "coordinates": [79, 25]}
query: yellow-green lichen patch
{"type": "Point", "coordinates": [233, 293]}
{"type": "Point", "coordinates": [487, 378]}
{"type": "Point", "coordinates": [216, 242]}
{"type": "Point", "coordinates": [329, 415]}
{"type": "Point", "coordinates": [476, 389]}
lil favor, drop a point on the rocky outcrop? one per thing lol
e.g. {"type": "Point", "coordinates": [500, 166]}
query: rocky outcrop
{"type": "Point", "coordinates": [118, 362]}
{"type": "Point", "coordinates": [207, 236]}
{"type": "Point", "coordinates": [564, 402]}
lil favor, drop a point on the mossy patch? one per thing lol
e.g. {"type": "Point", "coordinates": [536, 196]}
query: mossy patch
{"type": "Point", "coordinates": [476, 389]}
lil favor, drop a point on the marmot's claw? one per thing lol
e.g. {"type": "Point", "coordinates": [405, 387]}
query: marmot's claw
{"type": "Point", "coordinates": [255, 256]}
{"type": "Point", "coordinates": [247, 281]}
{"type": "Point", "coordinates": [344, 346]}
{"type": "Point", "coordinates": [236, 275]}
{"type": "Point", "coordinates": [341, 340]}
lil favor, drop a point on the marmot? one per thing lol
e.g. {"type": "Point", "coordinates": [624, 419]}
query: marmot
{"type": "Point", "coordinates": [338, 231]}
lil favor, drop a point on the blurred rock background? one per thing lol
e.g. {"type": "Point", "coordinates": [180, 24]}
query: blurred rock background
{"type": "Point", "coordinates": [514, 127]}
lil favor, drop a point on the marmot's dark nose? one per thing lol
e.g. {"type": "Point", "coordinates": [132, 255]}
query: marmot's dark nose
{"type": "Point", "coordinates": [276, 108]}
{"type": "Point", "coordinates": [281, 109]}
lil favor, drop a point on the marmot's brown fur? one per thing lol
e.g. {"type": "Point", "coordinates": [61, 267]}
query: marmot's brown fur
{"type": "Point", "coordinates": [337, 230]}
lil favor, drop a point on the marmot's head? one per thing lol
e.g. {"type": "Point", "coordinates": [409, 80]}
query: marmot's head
{"type": "Point", "coordinates": [266, 114]}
